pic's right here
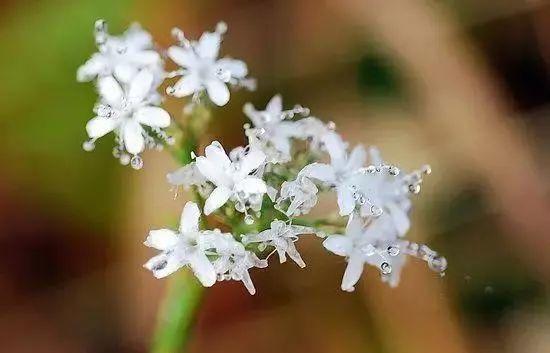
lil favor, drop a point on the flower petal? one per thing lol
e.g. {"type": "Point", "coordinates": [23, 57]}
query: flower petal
{"type": "Point", "coordinates": [152, 116]}
{"type": "Point", "coordinates": [216, 154]}
{"type": "Point", "coordinates": [209, 45]}
{"type": "Point", "coordinates": [251, 185]}
{"type": "Point", "coordinates": [100, 126]}
{"type": "Point", "coordinates": [202, 268]}
{"type": "Point", "coordinates": [212, 172]}
{"type": "Point", "coordinates": [338, 244]}
{"type": "Point", "coordinates": [319, 171]}
{"type": "Point", "coordinates": [140, 86]}
{"type": "Point", "coordinates": [110, 91]}
{"type": "Point", "coordinates": [252, 160]}
{"type": "Point", "coordinates": [275, 105]}
{"type": "Point", "coordinates": [217, 198]}
{"type": "Point", "coordinates": [346, 202]}
{"type": "Point", "coordinates": [187, 85]}
{"type": "Point", "coordinates": [236, 68]}
{"type": "Point", "coordinates": [217, 92]}
{"type": "Point", "coordinates": [183, 57]}
{"type": "Point", "coordinates": [336, 148]}
{"type": "Point", "coordinates": [163, 265]}
{"type": "Point", "coordinates": [353, 272]}
{"type": "Point", "coordinates": [357, 158]}
{"type": "Point", "coordinates": [91, 68]}
{"type": "Point", "coordinates": [125, 72]}
{"type": "Point", "coordinates": [145, 57]}
{"type": "Point", "coordinates": [189, 221]}
{"type": "Point", "coordinates": [399, 217]}
{"type": "Point", "coordinates": [133, 137]}
{"type": "Point", "coordinates": [162, 239]}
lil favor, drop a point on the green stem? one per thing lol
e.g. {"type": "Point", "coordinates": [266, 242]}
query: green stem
{"type": "Point", "coordinates": [177, 313]}
{"type": "Point", "coordinates": [184, 292]}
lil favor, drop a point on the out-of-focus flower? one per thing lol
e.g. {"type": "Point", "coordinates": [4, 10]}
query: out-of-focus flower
{"type": "Point", "coordinates": [201, 70]}
{"type": "Point", "coordinates": [281, 236]}
{"type": "Point", "coordinates": [188, 176]}
{"type": "Point", "coordinates": [232, 179]}
{"type": "Point", "coordinates": [122, 56]}
{"type": "Point", "coordinates": [124, 111]}
{"type": "Point", "coordinates": [184, 247]}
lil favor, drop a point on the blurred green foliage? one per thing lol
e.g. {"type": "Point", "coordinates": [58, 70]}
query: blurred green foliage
{"type": "Point", "coordinates": [44, 110]}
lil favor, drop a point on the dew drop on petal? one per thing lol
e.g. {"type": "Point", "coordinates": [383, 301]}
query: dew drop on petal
{"type": "Point", "coordinates": [136, 162]}
{"type": "Point", "coordinates": [124, 159]}
{"type": "Point", "coordinates": [376, 211]}
{"type": "Point", "coordinates": [393, 250]}
{"type": "Point", "coordinates": [385, 268]}
{"type": "Point", "coordinates": [88, 146]}
{"type": "Point", "coordinates": [437, 263]}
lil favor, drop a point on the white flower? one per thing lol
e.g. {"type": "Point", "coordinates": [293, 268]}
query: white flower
{"type": "Point", "coordinates": [313, 130]}
{"type": "Point", "coordinates": [125, 110]}
{"type": "Point", "coordinates": [202, 70]}
{"type": "Point", "coordinates": [282, 237]}
{"type": "Point", "coordinates": [234, 262]}
{"type": "Point", "coordinates": [232, 179]}
{"type": "Point", "coordinates": [340, 174]}
{"type": "Point", "coordinates": [302, 195]}
{"type": "Point", "coordinates": [184, 247]}
{"type": "Point", "coordinates": [121, 56]}
{"type": "Point", "coordinates": [358, 249]}
{"type": "Point", "coordinates": [189, 175]}
{"type": "Point", "coordinates": [272, 132]}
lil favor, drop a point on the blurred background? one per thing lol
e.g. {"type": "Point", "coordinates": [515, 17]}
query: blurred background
{"type": "Point", "coordinates": [461, 84]}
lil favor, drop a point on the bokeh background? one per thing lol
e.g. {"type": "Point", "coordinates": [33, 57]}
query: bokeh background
{"type": "Point", "coordinates": [461, 84]}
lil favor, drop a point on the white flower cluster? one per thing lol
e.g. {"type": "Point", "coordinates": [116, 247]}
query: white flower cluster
{"type": "Point", "coordinates": [291, 157]}
{"type": "Point", "coordinates": [128, 72]}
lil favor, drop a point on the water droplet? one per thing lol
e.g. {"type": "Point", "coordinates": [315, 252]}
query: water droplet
{"type": "Point", "coordinates": [427, 170]}
{"type": "Point", "coordinates": [393, 250]}
{"type": "Point", "coordinates": [414, 188]}
{"type": "Point", "coordinates": [393, 170]}
{"type": "Point", "coordinates": [437, 263]}
{"type": "Point", "coordinates": [331, 125]}
{"type": "Point", "coordinates": [385, 268]}
{"type": "Point", "coordinates": [248, 219]}
{"type": "Point", "coordinates": [88, 145]}
{"type": "Point", "coordinates": [376, 211]}
{"type": "Point", "coordinates": [136, 162]}
{"type": "Point", "coordinates": [124, 159]}
{"type": "Point", "coordinates": [170, 90]}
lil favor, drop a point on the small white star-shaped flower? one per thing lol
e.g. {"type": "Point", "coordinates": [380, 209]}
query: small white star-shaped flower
{"type": "Point", "coordinates": [185, 247]}
{"type": "Point", "coordinates": [233, 179]}
{"type": "Point", "coordinates": [121, 56]}
{"type": "Point", "coordinates": [125, 110]}
{"type": "Point", "coordinates": [300, 194]}
{"type": "Point", "coordinates": [201, 70]}
{"type": "Point", "coordinates": [282, 237]}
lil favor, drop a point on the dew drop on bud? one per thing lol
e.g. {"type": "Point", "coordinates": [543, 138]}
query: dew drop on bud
{"type": "Point", "coordinates": [248, 219]}
{"type": "Point", "coordinates": [437, 263]}
{"type": "Point", "coordinates": [385, 268]}
{"type": "Point", "coordinates": [136, 162]}
{"type": "Point", "coordinates": [88, 146]}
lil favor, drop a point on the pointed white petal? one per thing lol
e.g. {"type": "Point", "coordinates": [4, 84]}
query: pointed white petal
{"type": "Point", "coordinates": [133, 137]}
{"type": "Point", "coordinates": [212, 172]}
{"type": "Point", "coordinates": [187, 85]}
{"type": "Point", "coordinates": [236, 68]}
{"type": "Point", "coordinates": [152, 116]}
{"type": "Point", "coordinates": [125, 72]}
{"type": "Point", "coordinates": [251, 185]}
{"type": "Point", "coordinates": [338, 244]}
{"type": "Point", "coordinates": [275, 105]}
{"type": "Point", "coordinates": [110, 91]}
{"type": "Point", "coordinates": [319, 171]}
{"type": "Point", "coordinates": [216, 154]}
{"type": "Point", "coordinates": [202, 268]}
{"type": "Point", "coordinates": [217, 92]}
{"type": "Point", "coordinates": [346, 202]}
{"type": "Point", "coordinates": [163, 265]}
{"type": "Point", "coordinates": [357, 158]}
{"type": "Point", "coordinates": [400, 218]}
{"type": "Point", "coordinates": [247, 281]}
{"type": "Point", "coordinates": [162, 239]}
{"type": "Point", "coordinates": [209, 45]}
{"type": "Point", "coordinates": [336, 148]}
{"type": "Point", "coordinates": [100, 126]}
{"type": "Point", "coordinates": [189, 221]}
{"type": "Point", "coordinates": [145, 58]}
{"type": "Point", "coordinates": [217, 198]}
{"type": "Point", "coordinates": [91, 68]}
{"type": "Point", "coordinates": [252, 160]}
{"type": "Point", "coordinates": [140, 86]}
{"type": "Point", "coordinates": [353, 272]}
{"type": "Point", "coordinates": [295, 255]}
{"type": "Point", "coordinates": [374, 156]}
{"type": "Point", "coordinates": [183, 57]}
